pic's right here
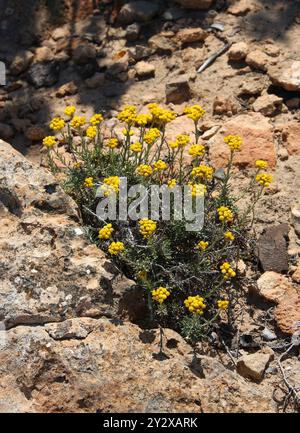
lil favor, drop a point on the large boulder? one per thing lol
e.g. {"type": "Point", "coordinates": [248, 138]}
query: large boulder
{"type": "Point", "coordinates": [49, 272]}
{"type": "Point", "coordinates": [63, 345]}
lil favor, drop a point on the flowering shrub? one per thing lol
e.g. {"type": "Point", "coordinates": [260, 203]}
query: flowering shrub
{"type": "Point", "coordinates": [190, 279]}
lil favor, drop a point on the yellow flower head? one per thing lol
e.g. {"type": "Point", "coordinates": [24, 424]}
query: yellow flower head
{"type": "Point", "coordinates": [196, 150]}
{"type": "Point", "coordinates": [173, 144]}
{"type": "Point", "coordinates": [203, 171]}
{"type": "Point", "coordinates": [143, 119]}
{"type": "Point", "coordinates": [110, 185]}
{"type": "Point", "coordinates": [70, 110]}
{"type": "Point", "coordinates": [89, 182]}
{"type": "Point", "coordinates": [115, 248]}
{"type": "Point", "coordinates": [128, 115]}
{"type": "Point", "coordinates": [77, 165]}
{"type": "Point", "coordinates": [261, 164]}
{"type": "Point", "coordinates": [78, 121]}
{"type": "Point", "coordinates": [195, 304]}
{"type": "Point", "coordinates": [265, 179]}
{"type": "Point", "coordinates": [234, 142]}
{"type": "Point", "coordinates": [160, 294]}
{"type": "Point", "coordinates": [91, 132]}
{"type": "Point", "coordinates": [197, 189]}
{"type": "Point", "coordinates": [112, 143]}
{"type": "Point", "coordinates": [136, 147]}
{"type": "Point", "coordinates": [222, 305]}
{"type": "Point", "coordinates": [227, 271]}
{"type": "Point", "coordinates": [106, 231]}
{"type": "Point", "coordinates": [57, 124]}
{"type": "Point", "coordinates": [202, 245]}
{"type": "Point", "coordinates": [144, 170]}
{"type": "Point", "coordinates": [96, 119]}
{"type": "Point", "coordinates": [171, 183]}
{"type": "Point", "coordinates": [161, 115]}
{"type": "Point", "coordinates": [147, 227]}
{"type": "Point", "coordinates": [151, 135]}
{"type": "Point", "coordinates": [160, 165]}
{"type": "Point", "coordinates": [126, 131]}
{"type": "Point", "coordinates": [49, 141]}
{"type": "Point", "coordinates": [229, 236]}
{"type": "Point", "coordinates": [195, 112]}
{"type": "Point", "coordinates": [225, 214]}
{"type": "Point", "coordinates": [182, 140]}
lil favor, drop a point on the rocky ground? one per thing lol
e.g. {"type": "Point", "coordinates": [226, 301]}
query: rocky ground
{"type": "Point", "coordinates": [66, 306]}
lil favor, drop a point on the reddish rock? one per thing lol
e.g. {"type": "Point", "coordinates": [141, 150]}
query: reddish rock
{"type": "Point", "coordinates": [291, 137]}
{"type": "Point", "coordinates": [277, 288]}
{"type": "Point", "coordinates": [259, 60]}
{"type": "Point", "coordinates": [241, 7]}
{"type": "Point", "coordinates": [188, 36]}
{"type": "Point", "coordinates": [238, 51]}
{"type": "Point", "coordinates": [268, 105]}
{"type": "Point", "coordinates": [257, 135]}
{"type": "Point", "coordinates": [286, 74]}
{"type": "Point", "coordinates": [296, 274]}
{"type": "Point", "coordinates": [224, 106]}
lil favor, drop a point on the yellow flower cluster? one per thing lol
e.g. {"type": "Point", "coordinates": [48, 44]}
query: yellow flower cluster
{"type": "Point", "coordinates": [57, 124]}
{"type": "Point", "coordinates": [70, 110]}
{"type": "Point", "coordinates": [144, 170]}
{"type": "Point", "coordinates": [160, 165]}
{"type": "Point", "coordinates": [265, 179]}
{"type": "Point", "coordinates": [91, 132]}
{"type": "Point", "coordinates": [49, 141]}
{"type": "Point", "coordinates": [115, 248]}
{"type": "Point", "coordinates": [112, 143]}
{"type": "Point", "coordinates": [111, 184]}
{"type": "Point", "coordinates": [227, 271]}
{"type": "Point", "coordinates": [106, 231]}
{"type": "Point", "coordinates": [96, 119]}
{"type": "Point", "coordinates": [182, 140]}
{"type": "Point", "coordinates": [229, 236]}
{"type": "Point", "coordinates": [171, 183]}
{"type": "Point", "coordinates": [142, 119]}
{"type": "Point", "coordinates": [196, 150]}
{"type": "Point", "coordinates": [160, 294]}
{"type": "Point", "coordinates": [203, 171]}
{"type": "Point", "coordinates": [128, 115]}
{"type": "Point", "coordinates": [78, 121]}
{"type": "Point", "coordinates": [88, 182]}
{"type": "Point", "coordinates": [151, 135]}
{"type": "Point", "coordinates": [234, 142]}
{"type": "Point", "coordinates": [261, 164]}
{"type": "Point", "coordinates": [126, 131]}
{"type": "Point", "coordinates": [195, 304]}
{"type": "Point", "coordinates": [136, 147]}
{"type": "Point", "coordinates": [202, 245]}
{"type": "Point", "coordinates": [225, 214]}
{"type": "Point", "coordinates": [147, 227]}
{"type": "Point", "coordinates": [195, 112]}
{"type": "Point", "coordinates": [197, 189]}
{"type": "Point", "coordinates": [222, 305]}
{"type": "Point", "coordinates": [77, 165]}
{"type": "Point", "coordinates": [161, 115]}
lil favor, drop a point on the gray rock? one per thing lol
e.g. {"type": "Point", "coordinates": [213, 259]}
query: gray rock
{"type": "Point", "coordinates": [21, 62]}
{"type": "Point", "coordinates": [44, 74]}
{"type": "Point", "coordinates": [83, 54]}
{"type": "Point", "coordinates": [268, 335]}
{"type": "Point", "coordinates": [132, 32]}
{"type": "Point", "coordinates": [6, 131]}
{"type": "Point", "coordinates": [140, 11]}
{"type": "Point", "coordinates": [178, 90]}
{"type": "Point", "coordinates": [272, 248]}
{"type": "Point", "coordinates": [196, 4]}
